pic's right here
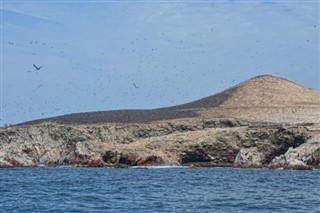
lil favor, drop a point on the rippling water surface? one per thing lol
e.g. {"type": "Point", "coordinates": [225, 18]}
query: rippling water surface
{"type": "Point", "coordinates": [158, 190]}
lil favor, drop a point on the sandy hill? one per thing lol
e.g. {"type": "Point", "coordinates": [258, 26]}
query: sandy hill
{"type": "Point", "coordinates": [263, 98]}
{"type": "Point", "coordinates": [269, 91]}
{"type": "Point", "coordinates": [269, 99]}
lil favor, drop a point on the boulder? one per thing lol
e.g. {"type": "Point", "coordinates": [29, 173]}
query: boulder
{"type": "Point", "coordinates": [150, 161]}
{"type": "Point", "coordinates": [249, 156]}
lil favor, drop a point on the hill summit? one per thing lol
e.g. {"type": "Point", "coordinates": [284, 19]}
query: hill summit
{"type": "Point", "coordinates": [270, 91]}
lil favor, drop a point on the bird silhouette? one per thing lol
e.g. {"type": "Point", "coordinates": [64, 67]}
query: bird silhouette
{"type": "Point", "coordinates": [37, 68]}
{"type": "Point", "coordinates": [38, 87]}
{"type": "Point", "coordinates": [41, 85]}
{"type": "Point", "coordinates": [135, 86]}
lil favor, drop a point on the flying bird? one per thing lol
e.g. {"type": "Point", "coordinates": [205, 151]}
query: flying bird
{"type": "Point", "coordinates": [135, 86]}
{"type": "Point", "coordinates": [41, 85]}
{"type": "Point", "coordinates": [37, 68]}
{"type": "Point", "coordinates": [38, 87]}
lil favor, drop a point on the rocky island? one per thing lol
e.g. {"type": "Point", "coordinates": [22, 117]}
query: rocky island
{"type": "Point", "coordinates": [265, 121]}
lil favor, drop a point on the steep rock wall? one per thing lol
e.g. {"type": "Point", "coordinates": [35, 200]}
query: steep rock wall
{"type": "Point", "coordinates": [213, 142]}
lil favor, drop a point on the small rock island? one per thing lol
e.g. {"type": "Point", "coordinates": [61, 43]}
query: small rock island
{"type": "Point", "coordinates": [265, 121]}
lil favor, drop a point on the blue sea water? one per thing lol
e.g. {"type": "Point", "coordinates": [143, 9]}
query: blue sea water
{"type": "Point", "coordinates": [158, 190]}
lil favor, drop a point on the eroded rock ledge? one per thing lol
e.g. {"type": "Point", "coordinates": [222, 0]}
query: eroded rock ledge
{"type": "Point", "coordinates": [214, 142]}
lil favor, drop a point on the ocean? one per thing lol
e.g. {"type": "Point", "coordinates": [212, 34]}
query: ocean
{"type": "Point", "coordinates": [161, 189]}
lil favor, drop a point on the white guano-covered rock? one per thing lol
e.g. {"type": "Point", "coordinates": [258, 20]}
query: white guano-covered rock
{"type": "Point", "coordinates": [301, 155]}
{"type": "Point", "coordinates": [249, 156]}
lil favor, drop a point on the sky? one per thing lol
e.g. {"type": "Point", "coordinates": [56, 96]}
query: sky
{"type": "Point", "coordinates": [109, 55]}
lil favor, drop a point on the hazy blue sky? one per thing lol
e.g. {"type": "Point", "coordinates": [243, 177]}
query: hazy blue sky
{"type": "Point", "coordinates": [174, 51]}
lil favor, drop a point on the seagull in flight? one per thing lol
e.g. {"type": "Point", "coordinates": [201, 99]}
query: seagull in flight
{"type": "Point", "coordinates": [38, 87]}
{"type": "Point", "coordinates": [41, 85]}
{"type": "Point", "coordinates": [135, 86]}
{"type": "Point", "coordinates": [37, 68]}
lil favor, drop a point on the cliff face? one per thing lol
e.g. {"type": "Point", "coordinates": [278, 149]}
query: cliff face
{"type": "Point", "coordinates": [223, 142]}
{"type": "Point", "coordinates": [265, 121]}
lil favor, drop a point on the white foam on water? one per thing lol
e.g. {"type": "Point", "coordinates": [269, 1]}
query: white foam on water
{"type": "Point", "coordinates": [65, 166]}
{"type": "Point", "coordinates": [160, 167]}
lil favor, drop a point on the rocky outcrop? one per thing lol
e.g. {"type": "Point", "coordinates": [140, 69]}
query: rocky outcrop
{"type": "Point", "coordinates": [306, 154]}
{"type": "Point", "coordinates": [213, 142]}
{"type": "Point", "coordinates": [249, 156]}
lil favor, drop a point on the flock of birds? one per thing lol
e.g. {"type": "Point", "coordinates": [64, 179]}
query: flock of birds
{"type": "Point", "coordinates": [101, 79]}
{"type": "Point", "coordinates": [73, 88]}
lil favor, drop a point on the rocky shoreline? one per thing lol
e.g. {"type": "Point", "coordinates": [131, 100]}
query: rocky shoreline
{"type": "Point", "coordinates": [193, 143]}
